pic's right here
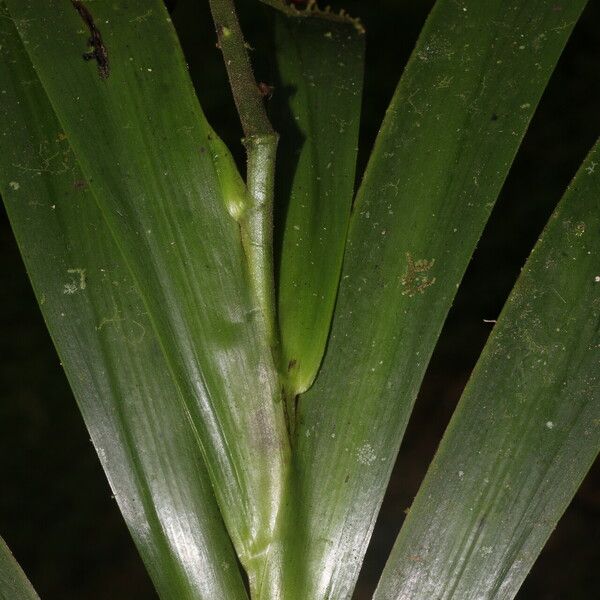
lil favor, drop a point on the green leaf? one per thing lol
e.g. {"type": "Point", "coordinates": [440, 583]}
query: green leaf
{"type": "Point", "coordinates": [445, 146]}
{"type": "Point", "coordinates": [107, 346]}
{"type": "Point", "coordinates": [14, 585]}
{"type": "Point", "coordinates": [526, 430]}
{"type": "Point", "coordinates": [167, 189]}
{"type": "Point", "coordinates": [317, 101]}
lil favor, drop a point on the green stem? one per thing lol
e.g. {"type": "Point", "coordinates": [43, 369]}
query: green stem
{"type": "Point", "coordinates": [260, 140]}
{"type": "Point", "coordinates": [246, 93]}
{"type": "Point", "coordinates": [255, 218]}
{"type": "Point", "coordinates": [256, 226]}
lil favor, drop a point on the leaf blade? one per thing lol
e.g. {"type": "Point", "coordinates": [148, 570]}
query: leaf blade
{"type": "Point", "coordinates": [165, 185]}
{"type": "Point", "coordinates": [440, 159]}
{"type": "Point", "coordinates": [99, 325]}
{"type": "Point", "coordinates": [317, 101]}
{"type": "Point", "coordinates": [14, 584]}
{"type": "Point", "coordinates": [526, 429]}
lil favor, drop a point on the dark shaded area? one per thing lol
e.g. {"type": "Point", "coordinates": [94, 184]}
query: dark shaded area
{"type": "Point", "coordinates": [55, 506]}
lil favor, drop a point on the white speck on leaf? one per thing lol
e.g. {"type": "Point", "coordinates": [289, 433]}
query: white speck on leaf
{"type": "Point", "coordinates": [549, 424]}
{"type": "Point", "coordinates": [366, 455]}
{"type": "Point", "coordinates": [70, 288]}
{"type": "Point", "coordinates": [15, 185]}
{"type": "Point", "coordinates": [75, 285]}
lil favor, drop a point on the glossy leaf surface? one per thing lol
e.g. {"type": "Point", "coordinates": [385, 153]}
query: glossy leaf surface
{"type": "Point", "coordinates": [14, 585]}
{"type": "Point", "coordinates": [526, 430]}
{"type": "Point", "coordinates": [445, 146]}
{"type": "Point", "coordinates": [107, 346]}
{"type": "Point", "coordinates": [165, 185]}
{"type": "Point", "coordinates": [317, 98]}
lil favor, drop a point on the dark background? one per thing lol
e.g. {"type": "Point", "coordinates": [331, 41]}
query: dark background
{"type": "Point", "coordinates": [56, 511]}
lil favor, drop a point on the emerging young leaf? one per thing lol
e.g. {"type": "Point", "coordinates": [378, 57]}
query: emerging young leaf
{"type": "Point", "coordinates": [317, 111]}
{"type": "Point", "coordinates": [526, 430]}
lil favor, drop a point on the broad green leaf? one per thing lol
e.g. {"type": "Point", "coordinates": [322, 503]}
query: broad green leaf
{"type": "Point", "coordinates": [317, 98]}
{"type": "Point", "coordinates": [526, 430]}
{"type": "Point", "coordinates": [445, 146]}
{"type": "Point", "coordinates": [14, 585]}
{"type": "Point", "coordinates": [107, 346]}
{"type": "Point", "coordinates": [166, 186]}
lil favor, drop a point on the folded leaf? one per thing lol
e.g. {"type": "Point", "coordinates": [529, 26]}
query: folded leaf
{"type": "Point", "coordinates": [316, 102]}
{"type": "Point", "coordinates": [14, 585]}
{"type": "Point", "coordinates": [445, 146]}
{"type": "Point", "coordinates": [526, 430]}
{"type": "Point", "coordinates": [100, 326]}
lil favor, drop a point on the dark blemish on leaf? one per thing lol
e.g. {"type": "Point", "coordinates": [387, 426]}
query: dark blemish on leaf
{"type": "Point", "coordinates": [292, 364]}
{"type": "Point", "coordinates": [209, 136]}
{"type": "Point", "coordinates": [417, 279]}
{"type": "Point", "coordinates": [202, 150]}
{"type": "Point", "coordinates": [494, 117]}
{"type": "Point", "coordinates": [79, 184]}
{"type": "Point", "coordinates": [347, 479]}
{"type": "Point", "coordinates": [98, 50]}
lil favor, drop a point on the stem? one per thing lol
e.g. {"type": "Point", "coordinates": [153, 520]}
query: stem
{"type": "Point", "coordinates": [260, 141]}
{"type": "Point", "coordinates": [246, 93]}
{"type": "Point", "coordinates": [256, 227]}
